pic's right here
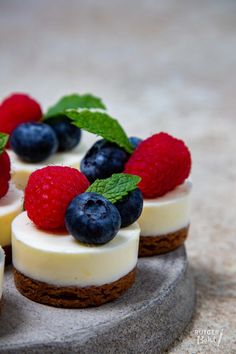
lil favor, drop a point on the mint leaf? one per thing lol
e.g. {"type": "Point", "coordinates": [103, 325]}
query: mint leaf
{"type": "Point", "coordinates": [74, 101]}
{"type": "Point", "coordinates": [3, 141]}
{"type": "Point", "coordinates": [115, 187]}
{"type": "Point", "coordinates": [101, 124]}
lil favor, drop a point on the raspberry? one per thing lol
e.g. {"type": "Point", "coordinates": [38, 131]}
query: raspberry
{"type": "Point", "coordinates": [16, 109]}
{"type": "Point", "coordinates": [4, 173]}
{"type": "Point", "coordinates": [48, 193]}
{"type": "Point", "coordinates": [162, 161]}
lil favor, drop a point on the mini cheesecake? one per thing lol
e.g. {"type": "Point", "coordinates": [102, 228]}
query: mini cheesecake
{"type": "Point", "coordinates": [10, 206]}
{"type": "Point", "coordinates": [21, 170]}
{"type": "Point", "coordinates": [2, 263]}
{"type": "Point", "coordinates": [164, 221]}
{"type": "Point", "coordinates": [55, 269]}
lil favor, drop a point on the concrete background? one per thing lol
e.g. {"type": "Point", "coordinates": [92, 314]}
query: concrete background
{"type": "Point", "coordinates": [159, 65]}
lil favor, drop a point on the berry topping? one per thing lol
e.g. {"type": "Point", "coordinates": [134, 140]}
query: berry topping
{"type": "Point", "coordinates": [102, 160]}
{"type": "Point", "coordinates": [48, 193]}
{"type": "Point", "coordinates": [135, 141]}
{"type": "Point", "coordinates": [92, 219]}
{"type": "Point", "coordinates": [34, 142]}
{"type": "Point", "coordinates": [16, 109]}
{"type": "Point", "coordinates": [162, 161]}
{"type": "Point", "coordinates": [4, 173]}
{"type": "Point", "coordinates": [130, 207]}
{"type": "Point", "coordinates": [68, 135]}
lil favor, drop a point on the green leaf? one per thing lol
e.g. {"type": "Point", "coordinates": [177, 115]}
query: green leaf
{"type": "Point", "coordinates": [3, 141]}
{"type": "Point", "coordinates": [102, 124]}
{"type": "Point", "coordinates": [115, 187]}
{"type": "Point", "coordinates": [73, 102]}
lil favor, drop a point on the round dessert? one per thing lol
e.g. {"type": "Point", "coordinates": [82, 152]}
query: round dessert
{"type": "Point", "coordinates": [163, 163]}
{"type": "Point", "coordinates": [55, 269]}
{"type": "Point", "coordinates": [68, 247]}
{"type": "Point", "coordinates": [2, 263]}
{"type": "Point", "coordinates": [22, 170]}
{"type": "Point", "coordinates": [10, 206]}
{"type": "Point", "coordinates": [164, 221]}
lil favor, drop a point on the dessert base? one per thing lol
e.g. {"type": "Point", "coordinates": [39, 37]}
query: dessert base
{"type": "Point", "coordinates": [154, 245]}
{"type": "Point", "coordinates": [69, 296]}
{"type": "Point", "coordinates": [8, 254]}
{"type": "Point", "coordinates": [146, 319]}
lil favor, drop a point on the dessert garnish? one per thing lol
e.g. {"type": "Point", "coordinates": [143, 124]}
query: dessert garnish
{"type": "Point", "coordinates": [162, 161]}
{"type": "Point", "coordinates": [29, 140]}
{"type": "Point", "coordinates": [48, 193]}
{"type": "Point", "coordinates": [58, 196]}
{"type": "Point", "coordinates": [4, 166]}
{"type": "Point", "coordinates": [96, 216]}
{"type": "Point", "coordinates": [34, 142]}
{"type": "Point", "coordinates": [16, 109]}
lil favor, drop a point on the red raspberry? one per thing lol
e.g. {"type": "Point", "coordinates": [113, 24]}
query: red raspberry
{"type": "Point", "coordinates": [4, 173]}
{"type": "Point", "coordinates": [48, 193]}
{"type": "Point", "coordinates": [4, 186]}
{"type": "Point", "coordinates": [16, 109]}
{"type": "Point", "coordinates": [162, 161]}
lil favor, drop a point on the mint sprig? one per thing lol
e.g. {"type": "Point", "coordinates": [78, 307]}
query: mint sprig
{"type": "Point", "coordinates": [74, 101]}
{"type": "Point", "coordinates": [3, 141]}
{"type": "Point", "coordinates": [102, 124]}
{"type": "Point", "coordinates": [115, 187]}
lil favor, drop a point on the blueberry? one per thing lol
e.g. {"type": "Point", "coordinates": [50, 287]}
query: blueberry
{"type": "Point", "coordinates": [34, 142]}
{"type": "Point", "coordinates": [92, 219]}
{"type": "Point", "coordinates": [135, 141]}
{"type": "Point", "coordinates": [102, 160]}
{"type": "Point", "coordinates": [68, 135]}
{"type": "Point", "coordinates": [130, 207]}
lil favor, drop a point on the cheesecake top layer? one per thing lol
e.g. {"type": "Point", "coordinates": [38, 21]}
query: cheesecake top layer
{"type": "Point", "coordinates": [67, 158]}
{"type": "Point", "coordinates": [57, 258]}
{"type": "Point", "coordinates": [2, 261]}
{"type": "Point", "coordinates": [12, 200]}
{"type": "Point", "coordinates": [168, 213]}
{"type": "Point", "coordinates": [10, 206]}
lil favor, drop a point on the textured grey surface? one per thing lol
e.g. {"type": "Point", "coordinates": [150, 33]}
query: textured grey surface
{"type": "Point", "coordinates": [145, 320]}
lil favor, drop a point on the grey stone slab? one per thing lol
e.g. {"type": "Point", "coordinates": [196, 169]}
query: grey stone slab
{"type": "Point", "coordinates": [146, 319]}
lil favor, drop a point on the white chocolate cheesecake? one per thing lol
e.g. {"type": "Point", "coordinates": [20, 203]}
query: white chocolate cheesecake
{"type": "Point", "coordinates": [10, 206]}
{"type": "Point", "coordinates": [2, 263]}
{"type": "Point", "coordinates": [164, 221]}
{"type": "Point", "coordinates": [21, 170]}
{"type": "Point", "coordinates": [65, 266]}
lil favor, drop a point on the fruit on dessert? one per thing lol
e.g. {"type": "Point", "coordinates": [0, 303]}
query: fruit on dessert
{"type": "Point", "coordinates": [34, 142]}
{"type": "Point", "coordinates": [162, 161]}
{"type": "Point", "coordinates": [130, 207]}
{"type": "Point", "coordinates": [68, 135]}
{"type": "Point", "coordinates": [11, 199]}
{"type": "Point", "coordinates": [135, 141]}
{"type": "Point", "coordinates": [4, 173]}
{"type": "Point", "coordinates": [62, 148]}
{"type": "Point", "coordinates": [16, 109]}
{"type": "Point", "coordinates": [102, 160]}
{"type": "Point", "coordinates": [48, 193]}
{"type": "Point", "coordinates": [92, 219]}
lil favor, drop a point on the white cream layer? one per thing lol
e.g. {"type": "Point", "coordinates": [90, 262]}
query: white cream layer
{"type": "Point", "coordinates": [168, 213]}
{"type": "Point", "coordinates": [2, 262]}
{"type": "Point", "coordinates": [10, 206]}
{"type": "Point", "coordinates": [61, 260]}
{"type": "Point", "coordinates": [21, 170]}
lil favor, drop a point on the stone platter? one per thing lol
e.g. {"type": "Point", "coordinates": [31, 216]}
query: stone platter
{"type": "Point", "coordinates": [147, 319]}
